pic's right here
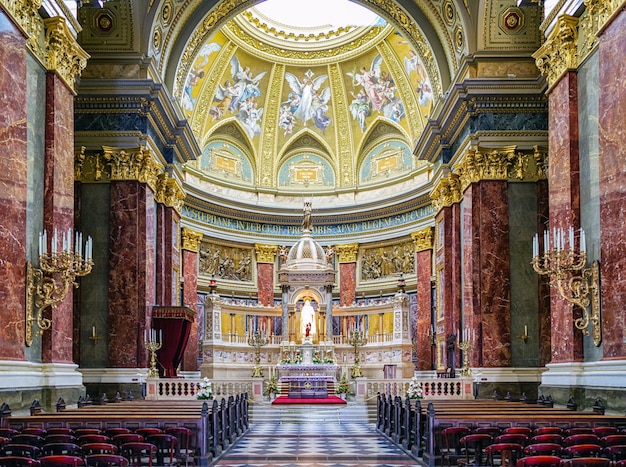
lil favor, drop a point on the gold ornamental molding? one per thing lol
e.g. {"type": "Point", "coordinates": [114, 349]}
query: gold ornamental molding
{"type": "Point", "coordinates": [169, 192]}
{"type": "Point", "coordinates": [560, 52]}
{"type": "Point", "coordinates": [191, 240]}
{"type": "Point", "coordinates": [63, 54]}
{"type": "Point", "coordinates": [446, 192]}
{"type": "Point", "coordinates": [133, 164]}
{"type": "Point", "coordinates": [423, 239]}
{"type": "Point", "coordinates": [347, 253]}
{"type": "Point", "coordinates": [595, 17]}
{"type": "Point", "coordinates": [25, 13]}
{"type": "Point", "coordinates": [265, 253]}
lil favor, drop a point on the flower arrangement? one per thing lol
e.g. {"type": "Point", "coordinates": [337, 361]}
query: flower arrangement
{"type": "Point", "coordinates": [205, 389]}
{"type": "Point", "coordinates": [344, 385]}
{"type": "Point", "coordinates": [272, 386]}
{"type": "Point", "coordinates": [415, 390]}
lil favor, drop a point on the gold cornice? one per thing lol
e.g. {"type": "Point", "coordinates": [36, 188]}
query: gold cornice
{"type": "Point", "coordinates": [446, 192]}
{"type": "Point", "coordinates": [191, 240]}
{"type": "Point", "coordinates": [423, 239]}
{"type": "Point", "coordinates": [265, 253]}
{"type": "Point", "coordinates": [133, 164]}
{"type": "Point", "coordinates": [169, 192]}
{"type": "Point", "coordinates": [347, 253]}
{"type": "Point", "coordinates": [593, 20]}
{"type": "Point", "coordinates": [63, 54]}
{"type": "Point", "coordinates": [25, 13]}
{"type": "Point", "coordinates": [559, 53]}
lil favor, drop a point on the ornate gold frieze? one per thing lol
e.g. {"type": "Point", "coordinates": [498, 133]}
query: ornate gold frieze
{"type": "Point", "coordinates": [267, 170]}
{"type": "Point", "coordinates": [385, 261]}
{"type": "Point", "coordinates": [63, 54]}
{"type": "Point", "coordinates": [225, 262]}
{"type": "Point", "coordinates": [133, 164]}
{"type": "Point", "coordinates": [423, 239]}
{"type": "Point", "coordinates": [559, 53]}
{"type": "Point", "coordinates": [595, 17]}
{"type": "Point", "coordinates": [265, 253]}
{"type": "Point", "coordinates": [446, 191]}
{"type": "Point", "coordinates": [169, 192]}
{"type": "Point", "coordinates": [347, 253]}
{"type": "Point", "coordinates": [25, 13]}
{"type": "Point", "coordinates": [344, 138]}
{"type": "Point", "coordinates": [191, 239]}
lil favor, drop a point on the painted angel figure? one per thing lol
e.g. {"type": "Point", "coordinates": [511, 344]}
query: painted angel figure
{"type": "Point", "coordinates": [307, 101]}
{"type": "Point", "coordinates": [246, 85]}
{"type": "Point", "coordinates": [370, 81]}
{"type": "Point", "coordinates": [412, 64]}
{"type": "Point", "coordinates": [197, 73]}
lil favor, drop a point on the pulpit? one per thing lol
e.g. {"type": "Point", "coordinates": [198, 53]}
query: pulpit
{"type": "Point", "coordinates": [174, 325]}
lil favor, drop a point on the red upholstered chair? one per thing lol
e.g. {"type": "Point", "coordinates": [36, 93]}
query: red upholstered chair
{"type": "Point", "coordinates": [620, 464]}
{"type": "Point", "coordinates": [55, 449]}
{"type": "Point", "coordinates": [139, 453]}
{"type": "Point", "coordinates": [546, 438]}
{"type": "Point", "coordinates": [85, 439]}
{"type": "Point", "coordinates": [78, 432]}
{"type": "Point", "coordinates": [539, 461]}
{"type": "Point", "coordinates": [517, 438]}
{"type": "Point", "coordinates": [603, 431]}
{"type": "Point", "coordinates": [60, 431]}
{"type": "Point", "coordinates": [26, 438]}
{"type": "Point", "coordinates": [59, 439]}
{"type": "Point", "coordinates": [582, 438]}
{"type": "Point", "coordinates": [106, 460]}
{"type": "Point", "coordinates": [524, 430]}
{"type": "Point", "coordinates": [503, 454]}
{"type": "Point", "coordinates": [166, 448]}
{"type": "Point", "coordinates": [61, 461]}
{"type": "Point", "coordinates": [581, 450]}
{"type": "Point", "coordinates": [21, 450]}
{"type": "Point", "coordinates": [545, 430]}
{"type": "Point", "coordinates": [127, 438]}
{"type": "Point", "coordinates": [31, 430]}
{"type": "Point", "coordinates": [89, 449]}
{"type": "Point", "coordinates": [451, 450]}
{"type": "Point", "coordinates": [617, 452]}
{"type": "Point", "coordinates": [148, 431]}
{"type": "Point", "coordinates": [111, 432]}
{"type": "Point", "coordinates": [578, 430]}
{"type": "Point", "coordinates": [543, 449]}
{"type": "Point", "coordinates": [586, 462]}
{"type": "Point", "coordinates": [184, 451]}
{"type": "Point", "coordinates": [494, 431]}
{"type": "Point", "coordinates": [4, 441]}
{"type": "Point", "coordinates": [18, 461]}
{"type": "Point", "coordinates": [8, 432]}
{"type": "Point", "coordinates": [474, 448]}
{"type": "Point", "coordinates": [613, 440]}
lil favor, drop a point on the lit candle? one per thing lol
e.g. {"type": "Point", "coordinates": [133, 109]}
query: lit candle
{"type": "Point", "coordinates": [583, 242]}
{"type": "Point", "coordinates": [571, 238]}
{"type": "Point", "coordinates": [525, 330]}
{"type": "Point", "coordinates": [93, 331]}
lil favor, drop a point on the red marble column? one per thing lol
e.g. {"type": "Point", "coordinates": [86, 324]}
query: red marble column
{"type": "Point", "coordinates": [486, 287]}
{"type": "Point", "coordinates": [543, 307]}
{"type": "Point", "coordinates": [190, 299]}
{"type": "Point", "coordinates": [59, 204]}
{"type": "Point", "coordinates": [425, 350]}
{"type": "Point", "coordinates": [265, 282]}
{"type": "Point", "coordinates": [131, 272]}
{"type": "Point", "coordinates": [13, 196]}
{"type": "Point", "coordinates": [612, 108]}
{"type": "Point", "coordinates": [347, 275]}
{"type": "Point", "coordinates": [564, 196]}
{"type": "Point", "coordinates": [167, 256]}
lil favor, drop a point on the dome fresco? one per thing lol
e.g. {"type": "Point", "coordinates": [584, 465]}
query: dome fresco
{"type": "Point", "coordinates": [339, 110]}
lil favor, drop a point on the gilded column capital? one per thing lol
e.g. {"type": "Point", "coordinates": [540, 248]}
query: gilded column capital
{"type": "Point", "coordinates": [347, 253]}
{"type": "Point", "coordinates": [595, 17]}
{"type": "Point", "coordinates": [25, 13]}
{"type": "Point", "coordinates": [560, 51]}
{"type": "Point", "coordinates": [265, 253]}
{"type": "Point", "coordinates": [423, 239]}
{"type": "Point", "coordinates": [133, 164]}
{"type": "Point", "coordinates": [191, 240]}
{"type": "Point", "coordinates": [169, 192]}
{"type": "Point", "coordinates": [63, 54]}
{"type": "Point", "coordinates": [446, 192]}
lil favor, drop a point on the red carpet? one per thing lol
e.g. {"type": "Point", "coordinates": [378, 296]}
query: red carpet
{"type": "Point", "coordinates": [319, 400]}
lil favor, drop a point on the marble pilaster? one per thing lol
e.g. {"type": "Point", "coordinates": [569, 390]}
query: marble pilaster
{"type": "Point", "coordinates": [167, 256]}
{"type": "Point", "coordinates": [564, 196]}
{"type": "Point", "coordinates": [347, 277]}
{"type": "Point", "coordinates": [59, 203]}
{"type": "Point", "coordinates": [265, 283]}
{"type": "Point", "coordinates": [612, 149]}
{"type": "Point", "coordinates": [190, 298]}
{"type": "Point", "coordinates": [131, 271]}
{"type": "Point", "coordinates": [13, 178]}
{"type": "Point", "coordinates": [423, 265]}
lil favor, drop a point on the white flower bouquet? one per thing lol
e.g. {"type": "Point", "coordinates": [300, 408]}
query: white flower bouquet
{"type": "Point", "coordinates": [205, 389]}
{"type": "Point", "coordinates": [415, 390]}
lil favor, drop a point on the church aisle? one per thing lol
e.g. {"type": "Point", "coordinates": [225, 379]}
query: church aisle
{"type": "Point", "coordinates": [311, 444]}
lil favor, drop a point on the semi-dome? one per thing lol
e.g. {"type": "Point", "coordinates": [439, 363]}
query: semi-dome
{"type": "Point", "coordinates": [306, 252]}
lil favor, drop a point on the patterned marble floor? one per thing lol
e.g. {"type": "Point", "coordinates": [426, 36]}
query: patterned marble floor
{"type": "Point", "coordinates": [313, 445]}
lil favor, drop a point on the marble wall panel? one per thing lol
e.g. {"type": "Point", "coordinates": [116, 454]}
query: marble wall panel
{"type": "Point", "coordinates": [347, 277]}
{"type": "Point", "coordinates": [13, 178]}
{"type": "Point", "coordinates": [423, 262]}
{"type": "Point", "coordinates": [265, 283]}
{"type": "Point", "coordinates": [190, 294]}
{"type": "Point", "coordinates": [612, 108]}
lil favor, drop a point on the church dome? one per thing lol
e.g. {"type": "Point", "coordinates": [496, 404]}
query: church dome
{"type": "Point", "coordinates": [306, 253]}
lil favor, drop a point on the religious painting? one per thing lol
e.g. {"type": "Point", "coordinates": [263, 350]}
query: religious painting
{"type": "Point", "coordinates": [416, 72]}
{"type": "Point", "coordinates": [197, 74]}
{"type": "Point", "coordinates": [306, 171]}
{"type": "Point", "coordinates": [373, 92]}
{"type": "Point", "coordinates": [239, 96]}
{"type": "Point", "coordinates": [386, 162]}
{"type": "Point", "coordinates": [306, 102]}
{"type": "Point", "coordinates": [227, 162]}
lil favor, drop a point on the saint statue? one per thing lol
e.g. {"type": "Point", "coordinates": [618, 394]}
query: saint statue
{"type": "Point", "coordinates": [306, 221]}
{"type": "Point", "coordinates": [307, 318]}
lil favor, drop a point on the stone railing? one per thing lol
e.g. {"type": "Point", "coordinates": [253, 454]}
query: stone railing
{"type": "Point", "coordinates": [187, 389]}
{"type": "Point", "coordinates": [434, 388]}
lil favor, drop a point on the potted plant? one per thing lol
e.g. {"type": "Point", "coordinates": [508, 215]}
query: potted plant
{"type": "Point", "coordinates": [205, 389]}
{"type": "Point", "coordinates": [415, 390]}
{"type": "Point", "coordinates": [344, 387]}
{"type": "Point", "coordinates": [272, 387]}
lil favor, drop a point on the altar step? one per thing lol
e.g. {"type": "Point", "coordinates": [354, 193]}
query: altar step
{"type": "Point", "coordinates": [313, 414]}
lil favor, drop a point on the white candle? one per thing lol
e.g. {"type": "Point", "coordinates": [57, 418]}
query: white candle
{"type": "Point", "coordinates": [93, 331]}
{"type": "Point", "coordinates": [525, 330]}
{"type": "Point", "coordinates": [571, 238]}
{"type": "Point", "coordinates": [583, 242]}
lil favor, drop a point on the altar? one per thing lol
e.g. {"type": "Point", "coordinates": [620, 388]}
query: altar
{"type": "Point", "coordinates": [307, 381]}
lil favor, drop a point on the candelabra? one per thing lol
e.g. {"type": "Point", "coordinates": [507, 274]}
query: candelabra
{"type": "Point", "coordinates": [357, 339]}
{"type": "Point", "coordinates": [153, 344]}
{"type": "Point", "coordinates": [43, 289]}
{"type": "Point", "coordinates": [465, 346]}
{"type": "Point", "coordinates": [576, 283]}
{"type": "Point", "coordinates": [257, 340]}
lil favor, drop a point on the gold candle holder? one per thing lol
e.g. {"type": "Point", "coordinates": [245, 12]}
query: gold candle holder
{"type": "Point", "coordinates": [465, 346]}
{"type": "Point", "coordinates": [152, 345]}
{"type": "Point", "coordinates": [257, 340]}
{"type": "Point", "coordinates": [357, 339]}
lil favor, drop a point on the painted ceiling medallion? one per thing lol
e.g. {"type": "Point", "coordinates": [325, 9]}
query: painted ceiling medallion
{"type": "Point", "coordinates": [512, 20]}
